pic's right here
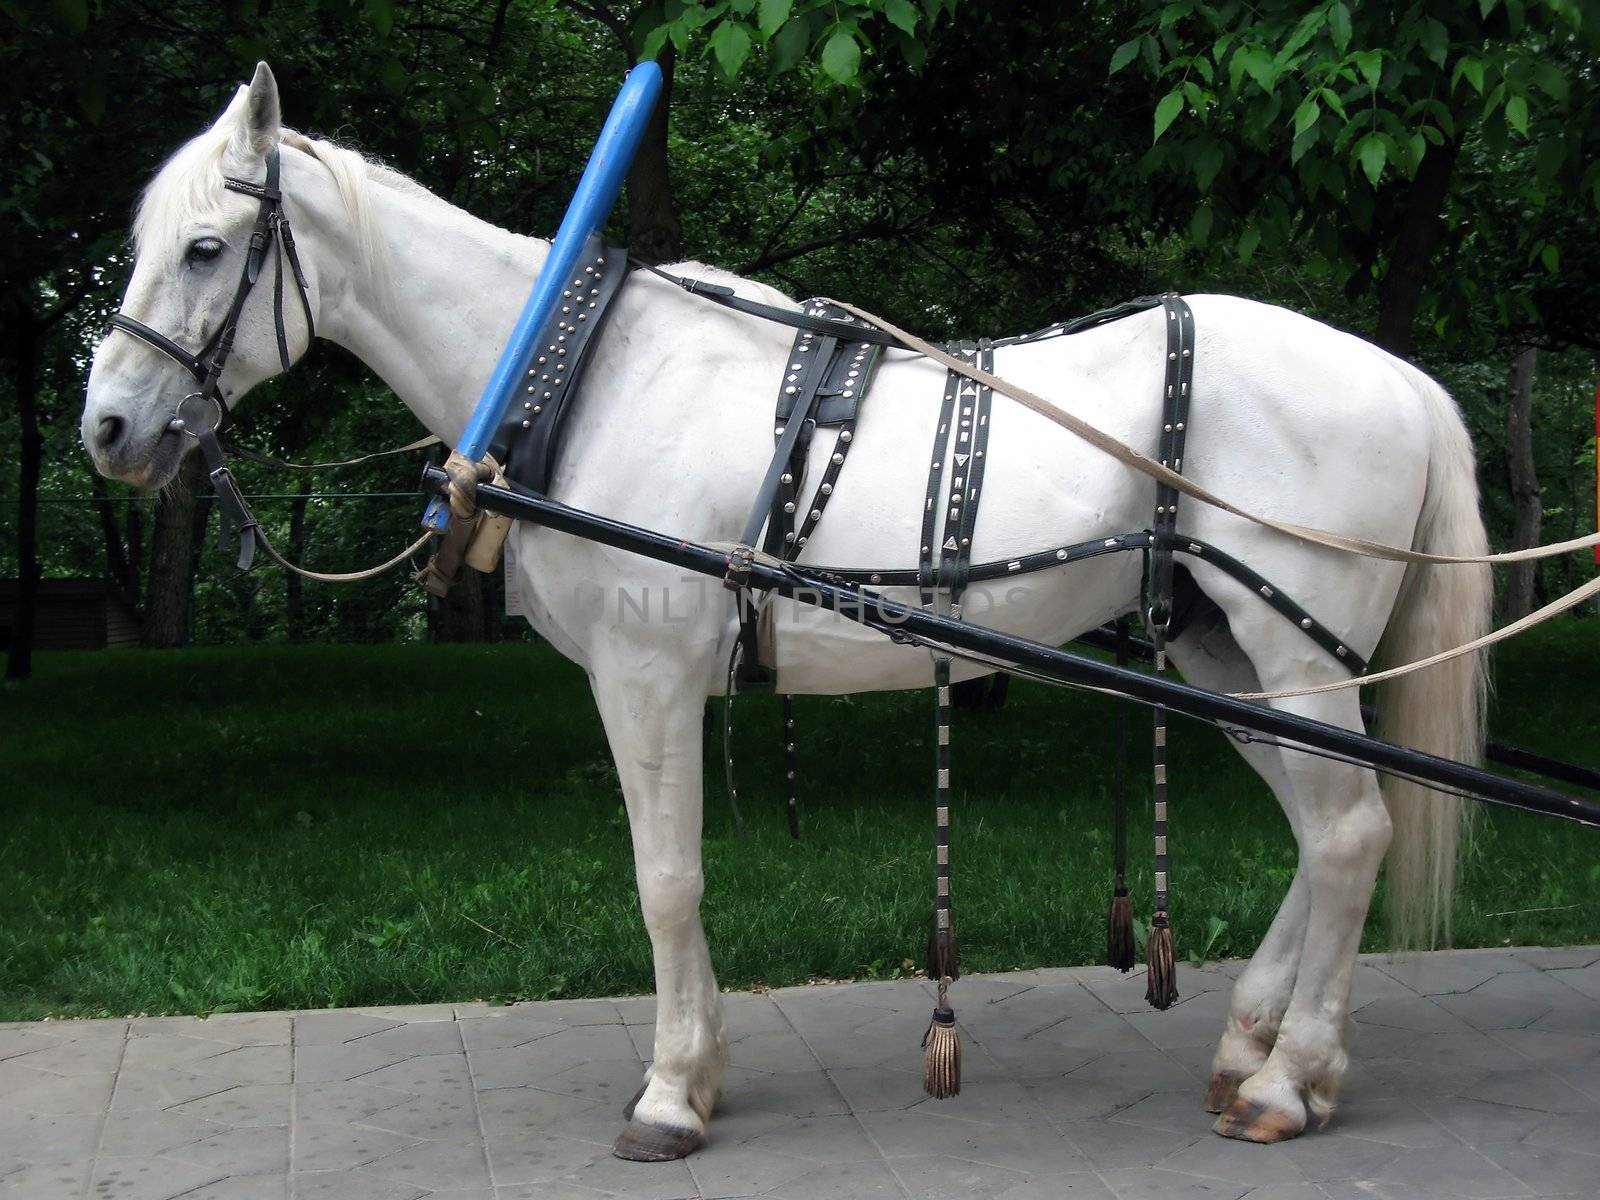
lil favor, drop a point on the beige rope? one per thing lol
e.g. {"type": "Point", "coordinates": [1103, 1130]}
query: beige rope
{"type": "Point", "coordinates": [342, 576]}
{"type": "Point", "coordinates": [422, 442]}
{"type": "Point", "coordinates": [1576, 596]}
{"type": "Point", "coordinates": [1101, 440]}
{"type": "Point", "coordinates": [1353, 545]}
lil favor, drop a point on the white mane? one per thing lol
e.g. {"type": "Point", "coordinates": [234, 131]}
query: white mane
{"type": "Point", "coordinates": [188, 184]}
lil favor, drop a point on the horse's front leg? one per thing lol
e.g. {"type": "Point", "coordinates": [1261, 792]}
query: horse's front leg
{"type": "Point", "coordinates": [653, 721]}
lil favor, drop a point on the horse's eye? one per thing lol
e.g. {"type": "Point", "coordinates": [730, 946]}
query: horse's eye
{"type": "Point", "coordinates": [203, 250]}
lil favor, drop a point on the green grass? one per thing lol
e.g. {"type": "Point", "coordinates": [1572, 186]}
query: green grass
{"type": "Point", "coordinates": [271, 828]}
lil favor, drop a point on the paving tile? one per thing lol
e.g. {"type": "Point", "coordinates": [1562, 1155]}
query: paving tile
{"type": "Point", "coordinates": [1476, 1122]}
{"type": "Point", "coordinates": [243, 1187]}
{"type": "Point", "coordinates": [161, 1087]}
{"type": "Point", "coordinates": [1442, 974]}
{"type": "Point", "coordinates": [938, 1177]}
{"type": "Point", "coordinates": [1032, 1147]}
{"type": "Point", "coordinates": [1548, 1171]}
{"type": "Point", "coordinates": [548, 1191]}
{"type": "Point", "coordinates": [860, 1181]}
{"type": "Point", "coordinates": [1327, 1156]}
{"type": "Point", "coordinates": [1577, 1132]}
{"type": "Point", "coordinates": [46, 1181]}
{"type": "Point", "coordinates": [637, 1181]}
{"type": "Point", "coordinates": [435, 1165]}
{"type": "Point", "coordinates": [23, 1039]}
{"type": "Point", "coordinates": [91, 1056]}
{"type": "Point", "coordinates": [1234, 1162]}
{"type": "Point", "coordinates": [1553, 957]}
{"type": "Point", "coordinates": [252, 1151]}
{"type": "Point", "coordinates": [341, 1101]}
{"type": "Point", "coordinates": [1582, 979]}
{"type": "Point", "coordinates": [777, 1051]}
{"type": "Point", "coordinates": [878, 1089]}
{"type": "Point", "coordinates": [1535, 1089]}
{"type": "Point", "coordinates": [330, 1147]}
{"type": "Point", "coordinates": [56, 1095]}
{"type": "Point", "coordinates": [413, 1014]}
{"type": "Point", "coordinates": [249, 1064]}
{"type": "Point", "coordinates": [153, 1131]}
{"type": "Point", "coordinates": [349, 1185]}
{"type": "Point", "coordinates": [1452, 1173]}
{"type": "Point", "coordinates": [249, 1104]}
{"type": "Point", "coordinates": [1417, 1013]}
{"type": "Point", "coordinates": [1506, 1001]}
{"type": "Point", "coordinates": [449, 1115]}
{"type": "Point", "coordinates": [1397, 1123]}
{"type": "Point", "coordinates": [724, 1169]}
{"type": "Point", "coordinates": [1154, 1183]}
{"type": "Point", "coordinates": [838, 1138]}
{"type": "Point", "coordinates": [496, 1032]}
{"type": "Point", "coordinates": [331, 1028]}
{"type": "Point", "coordinates": [542, 1159]}
{"type": "Point", "coordinates": [152, 1178]}
{"type": "Point", "coordinates": [1108, 1145]}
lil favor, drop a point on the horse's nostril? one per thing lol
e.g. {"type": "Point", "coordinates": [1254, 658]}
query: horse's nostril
{"type": "Point", "coordinates": [110, 432]}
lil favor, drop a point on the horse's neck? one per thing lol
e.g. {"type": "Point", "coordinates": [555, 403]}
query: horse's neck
{"type": "Point", "coordinates": [458, 284]}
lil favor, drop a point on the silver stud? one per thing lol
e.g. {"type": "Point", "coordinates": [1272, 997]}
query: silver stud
{"type": "Point", "coordinates": [560, 351]}
{"type": "Point", "coordinates": [1305, 622]}
{"type": "Point", "coordinates": [1180, 424]}
{"type": "Point", "coordinates": [530, 391]}
{"type": "Point", "coordinates": [794, 366]}
{"type": "Point", "coordinates": [837, 459]}
{"type": "Point", "coordinates": [826, 489]}
{"type": "Point", "coordinates": [527, 404]}
{"type": "Point", "coordinates": [788, 537]}
{"type": "Point", "coordinates": [789, 507]}
{"type": "Point", "coordinates": [816, 514]}
{"type": "Point", "coordinates": [1186, 354]}
{"type": "Point", "coordinates": [778, 432]}
{"type": "Point", "coordinates": [578, 283]}
{"type": "Point", "coordinates": [1266, 592]}
{"type": "Point", "coordinates": [527, 424]}
{"type": "Point", "coordinates": [583, 316]}
{"type": "Point", "coordinates": [848, 393]}
{"type": "Point", "coordinates": [789, 391]}
{"type": "Point", "coordinates": [1340, 651]}
{"type": "Point", "coordinates": [845, 435]}
{"type": "Point", "coordinates": [566, 295]}
{"type": "Point", "coordinates": [966, 542]}
{"type": "Point", "coordinates": [566, 308]}
{"type": "Point", "coordinates": [802, 541]}
{"type": "Point", "coordinates": [537, 409]}
{"type": "Point", "coordinates": [786, 477]}
{"type": "Point", "coordinates": [542, 359]}
{"type": "Point", "coordinates": [600, 261]}
{"type": "Point", "coordinates": [1062, 555]}
{"type": "Point", "coordinates": [1166, 428]}
{"type": "Point", "coordinates": [877, 578]}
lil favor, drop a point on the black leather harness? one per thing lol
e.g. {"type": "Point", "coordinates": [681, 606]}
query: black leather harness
{"type": "Point", "coordinates": [271, 229]}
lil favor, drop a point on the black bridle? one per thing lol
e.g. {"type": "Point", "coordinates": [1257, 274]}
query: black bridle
{"type": "Point", "coordinates": [190, 414]}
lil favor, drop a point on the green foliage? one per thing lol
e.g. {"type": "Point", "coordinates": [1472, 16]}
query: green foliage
{"type": "Point", "coordinates": [1305, 124]}
{"type": "Point", "coordinates": [834, 35]}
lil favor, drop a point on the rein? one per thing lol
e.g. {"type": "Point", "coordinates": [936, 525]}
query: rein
{"type": "Point", "coordinates": [271, 232]}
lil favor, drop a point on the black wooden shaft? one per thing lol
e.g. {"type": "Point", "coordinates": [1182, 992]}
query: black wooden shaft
{"type": "Point", "coordinates": [903, 623]}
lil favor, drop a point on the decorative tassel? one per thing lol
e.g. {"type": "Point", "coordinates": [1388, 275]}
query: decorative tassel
{"type": "Point", "coordinates": [941, 1050]}
{"type": "Point", "coordinates": [1119, 931]}
{"type": "Point", "coordinates": [1161, 978]}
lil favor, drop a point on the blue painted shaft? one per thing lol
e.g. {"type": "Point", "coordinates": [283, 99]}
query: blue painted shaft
{"type": "Point", "coordinates": [591, 205]}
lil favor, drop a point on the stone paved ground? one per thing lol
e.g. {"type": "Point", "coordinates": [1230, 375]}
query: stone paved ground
{"type": "Point", "coordinates": [1476, 1074]}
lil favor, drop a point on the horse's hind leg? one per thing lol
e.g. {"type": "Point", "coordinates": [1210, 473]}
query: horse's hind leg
{"type": "Point", "coordinates": [653, 722]}
{"type": "Point", "coordinates": [1343, 830]}
{"type": "Point", "coordinates": [1210, 658]}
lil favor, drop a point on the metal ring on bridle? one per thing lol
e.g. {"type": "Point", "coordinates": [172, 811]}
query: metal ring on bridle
{"type": "Point", "coordinates": [194, 427]}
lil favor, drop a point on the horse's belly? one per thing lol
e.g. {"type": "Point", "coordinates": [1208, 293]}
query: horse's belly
{"type": "Point", "coordinates": [819, 652]}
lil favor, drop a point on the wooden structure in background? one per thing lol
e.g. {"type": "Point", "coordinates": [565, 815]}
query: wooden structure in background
{"type": "Point", "coordinates": [75, 614]}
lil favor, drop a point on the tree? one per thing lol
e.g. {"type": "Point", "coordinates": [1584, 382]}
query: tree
{"type": "Point", "coordinates": [1341, 127]}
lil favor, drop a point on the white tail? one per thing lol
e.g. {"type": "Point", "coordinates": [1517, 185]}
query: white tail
{"type": "Point", "coordinates": [1441, 709]}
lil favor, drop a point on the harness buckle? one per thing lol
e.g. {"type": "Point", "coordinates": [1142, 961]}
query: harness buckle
{"type": "Point", "coordinates": [737, 577]}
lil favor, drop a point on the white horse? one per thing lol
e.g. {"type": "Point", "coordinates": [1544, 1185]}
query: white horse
{"type": "Point", "coordinates": [1290, 418]}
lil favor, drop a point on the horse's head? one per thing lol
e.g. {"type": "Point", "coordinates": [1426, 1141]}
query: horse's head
{"type": "Point", "coordinates": [193, 251]}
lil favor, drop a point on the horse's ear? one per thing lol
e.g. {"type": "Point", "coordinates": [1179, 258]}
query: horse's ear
{"type": "Point", "coordinates": [259, 119]}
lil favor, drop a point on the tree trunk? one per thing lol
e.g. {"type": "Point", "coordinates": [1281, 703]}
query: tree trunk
{"type": "Point", "coordinates": [294, 603]}
{"type": "Point", "coordinates": [1527, 503]}
{"type": "Point", "coordinates": [170, 586]}
{"type": "Point", "coordinates": [655, 234]}
{"type": "Point", "coordinates": [1411, 251]}
{"type": "Point", "coordinates": [461, 612]}
{"type": "Point", "coordinates": [23, 335]}
{"type": "Point", "coordinates": [135, 544]}
{"type": "Point", "coordinates": [117, 567]}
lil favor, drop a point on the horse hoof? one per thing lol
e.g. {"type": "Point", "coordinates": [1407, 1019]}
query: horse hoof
{"type": "Point", "coordinates": [627, 1109]}
{"type": "Point", "coordinates": [1247, 1121]}
{"type": "Point", "coordinates": [1222, 1090]}
{"type": "Point", "coordinates": [649, 1143]}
